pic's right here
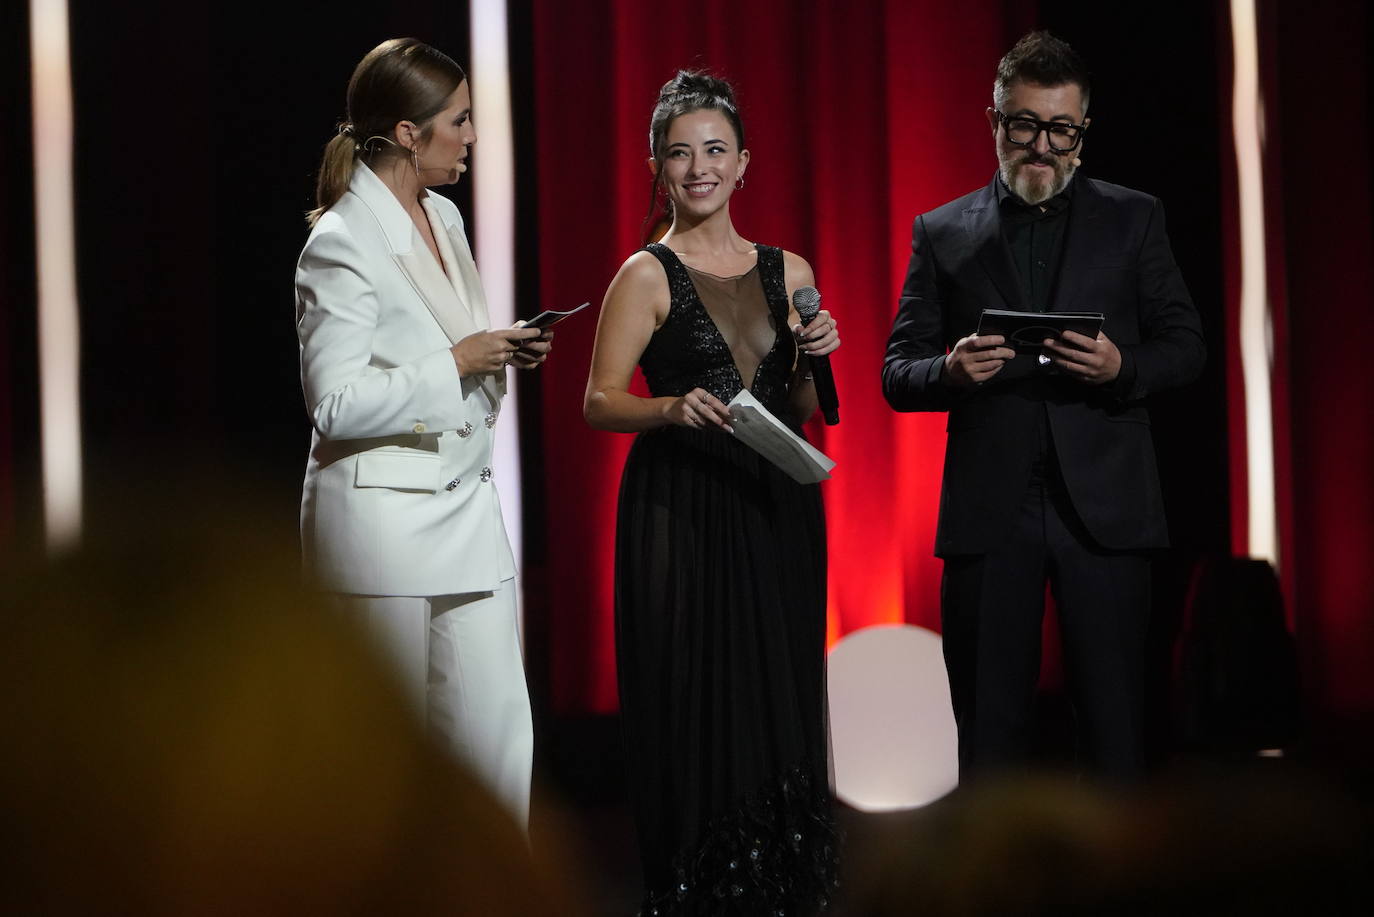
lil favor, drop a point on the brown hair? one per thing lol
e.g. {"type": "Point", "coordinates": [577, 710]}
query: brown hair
{"type": "Point", "coordinates": [402, 79]}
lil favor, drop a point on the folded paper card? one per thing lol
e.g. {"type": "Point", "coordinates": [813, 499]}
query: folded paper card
{"type": "Point", "coordinates": [758, 429]}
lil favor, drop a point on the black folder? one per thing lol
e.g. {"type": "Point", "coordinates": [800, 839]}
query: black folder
{"type": "Point", "coordinates": [1026, 331]}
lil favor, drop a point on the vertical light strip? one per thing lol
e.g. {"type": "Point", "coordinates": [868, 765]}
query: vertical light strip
{"type": "Point", "coordinates": [494, 200]}
{"type": "Point", "coordinates": [58, 323]}
{"type": "Point", "coordinates": [1256, 321]}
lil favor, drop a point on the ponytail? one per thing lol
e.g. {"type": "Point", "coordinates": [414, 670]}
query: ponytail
{"type": "Point", "coordinates": [336, 171]}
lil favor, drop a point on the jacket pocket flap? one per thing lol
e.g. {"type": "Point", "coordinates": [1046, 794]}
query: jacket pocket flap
{"type": "Point", "coordinates": [398, 470]}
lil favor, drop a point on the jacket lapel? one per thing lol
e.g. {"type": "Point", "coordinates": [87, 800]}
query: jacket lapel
{"type": "Point", "coordinates": [463, 283]}
{"type": "Point", "coordinates": [1079, 238]}
{"type": "Point", "coordinates": [983, 223]}
{"type": "Point", "coordinates": [462, 269]}
{"type": "Point", "coordinates": [458, 305]}
{"type": "Point", "coordinates": [438, 294]}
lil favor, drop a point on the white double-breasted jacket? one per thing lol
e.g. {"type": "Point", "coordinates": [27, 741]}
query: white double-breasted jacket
{"type": "Point", "coordinates": [399, 497]}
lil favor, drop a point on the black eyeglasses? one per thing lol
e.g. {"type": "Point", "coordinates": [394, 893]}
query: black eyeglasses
{"type": "Point", "coordinates": [1023, 132]}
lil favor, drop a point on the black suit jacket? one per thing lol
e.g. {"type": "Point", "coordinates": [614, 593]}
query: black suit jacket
{"type": "Point", "coordinates": [1116, 260]}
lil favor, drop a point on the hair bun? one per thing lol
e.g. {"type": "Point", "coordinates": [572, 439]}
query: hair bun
{"type": "Point", "coordinates": [688, 91]}
{"type": "Point", "coordinates": [699, 83]}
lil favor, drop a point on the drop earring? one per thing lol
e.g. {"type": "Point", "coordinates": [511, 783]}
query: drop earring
{"type": "Point", "coordinates": [415, 160]}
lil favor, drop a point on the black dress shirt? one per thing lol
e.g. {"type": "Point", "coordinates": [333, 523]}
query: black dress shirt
{"type": "Point", "coordinates": [1035, 235]}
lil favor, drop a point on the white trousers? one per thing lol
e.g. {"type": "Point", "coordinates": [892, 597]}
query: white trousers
{"type": "Point", "coordinates": [459, 660]}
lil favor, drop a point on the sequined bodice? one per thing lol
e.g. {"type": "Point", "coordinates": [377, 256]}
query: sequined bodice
{"type": "Point", "coordinates": [689, 351]}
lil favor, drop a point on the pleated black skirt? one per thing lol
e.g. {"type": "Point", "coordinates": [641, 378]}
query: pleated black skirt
{"type": "Point", "coordinates": [720, 643]}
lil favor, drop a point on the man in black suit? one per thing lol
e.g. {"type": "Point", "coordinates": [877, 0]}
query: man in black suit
{"type": "Point", "coordinates": [1049, 466]}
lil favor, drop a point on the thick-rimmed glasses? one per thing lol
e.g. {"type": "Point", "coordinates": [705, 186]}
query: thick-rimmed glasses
{"type": "Point", "coordinates": [1023, 132]}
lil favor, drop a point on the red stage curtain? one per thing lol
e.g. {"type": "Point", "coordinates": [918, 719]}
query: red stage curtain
{"type": "Point", "coordinates": [1319, 238]}
{"type": "Point", "coordinates": [858, 117]}
{"type": "Point", "coordinates": [1323, 75]}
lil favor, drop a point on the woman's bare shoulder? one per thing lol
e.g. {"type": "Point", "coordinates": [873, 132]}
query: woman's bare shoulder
{"type": "Point", "coordinates": [796, 271]}
{"type": "Point", "coordinates": [640, 277]}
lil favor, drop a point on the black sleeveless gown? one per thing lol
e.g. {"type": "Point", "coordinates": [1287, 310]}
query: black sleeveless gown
{"type": "Point", "coordinates": [720, 638]}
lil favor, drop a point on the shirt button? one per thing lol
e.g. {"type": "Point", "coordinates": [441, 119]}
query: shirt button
{"type": "Point", "coordinates": [452, 484]}
{"type": "Point", "coordinates": [419, 428]}
{"type": "Point", "coordinates": [486, 475]}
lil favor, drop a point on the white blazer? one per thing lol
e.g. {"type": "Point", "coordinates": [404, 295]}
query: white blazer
{"type": "Point", "coordinates": [399, 497]}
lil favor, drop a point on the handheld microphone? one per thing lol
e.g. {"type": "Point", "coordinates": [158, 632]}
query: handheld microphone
{"type": "Point", "coordinates": [807, 302]}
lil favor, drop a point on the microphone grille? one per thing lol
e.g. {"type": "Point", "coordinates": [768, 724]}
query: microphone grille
{"type": "Point", "coordinates": [807, 302]}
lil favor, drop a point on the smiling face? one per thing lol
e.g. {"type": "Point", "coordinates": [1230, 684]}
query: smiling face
{"type": "Point", "coordinates": [701, 162]}
{"type": "Point", "coordinates": [1036, 173]}
{"type": "Point", "coordinates": [443, 154]}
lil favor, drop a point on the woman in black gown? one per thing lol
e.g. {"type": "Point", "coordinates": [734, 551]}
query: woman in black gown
{"type": "Point", "coordinates": [720, 556]}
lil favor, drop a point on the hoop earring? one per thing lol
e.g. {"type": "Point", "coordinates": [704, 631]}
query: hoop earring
{"type": "Point", "coordinates": [739, 183]}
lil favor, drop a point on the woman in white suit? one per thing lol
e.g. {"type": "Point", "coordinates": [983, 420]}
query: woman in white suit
{"type": "Point", "coordinates": [403, 380]}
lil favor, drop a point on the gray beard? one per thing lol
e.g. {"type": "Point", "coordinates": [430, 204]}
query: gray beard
{"type": "Point", "coordinates": [1021, 185]}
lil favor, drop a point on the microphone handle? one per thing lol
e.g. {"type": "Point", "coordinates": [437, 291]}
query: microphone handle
{"type": "Point", "coordinates": [807, 302]}
{"type": "Point", "coordinates": [823, 378]}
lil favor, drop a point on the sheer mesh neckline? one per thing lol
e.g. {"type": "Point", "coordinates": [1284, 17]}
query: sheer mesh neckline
{"type": "Point", "coordinates": [691, 349]}
{"type": "Point", "coordinates": [701, 273]}
{"type": "Point", "coordinates": [738, 308]}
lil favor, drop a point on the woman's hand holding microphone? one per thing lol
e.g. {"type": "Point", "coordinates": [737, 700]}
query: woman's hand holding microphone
{"type": "Point", "coordinates": [820, 337]}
